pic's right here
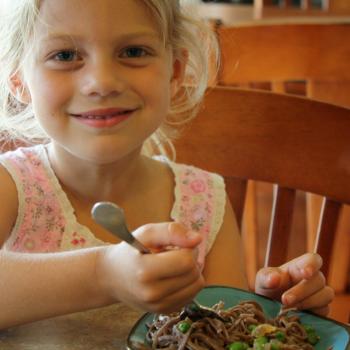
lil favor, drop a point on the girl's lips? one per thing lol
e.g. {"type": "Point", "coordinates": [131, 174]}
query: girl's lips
{"type": "Point", "coordinates": [103, 118]}
{"type": "Point", "coordinates": [103, 112]}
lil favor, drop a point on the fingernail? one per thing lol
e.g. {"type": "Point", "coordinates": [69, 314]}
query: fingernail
{"type": "Point", "coordinates": [269, 278]}
{"type": "Point", "coordinates": [178, 229]}
{"type": "Point", "coordinates": [272, 279]}
{"type": "Point", "coordinates": [308, 271]}
{"type": "Point", "coordinates": [289, 299]}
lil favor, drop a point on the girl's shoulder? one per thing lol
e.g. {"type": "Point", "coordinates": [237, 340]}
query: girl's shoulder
{"type": "Point", "coordinates": [194, 179]}
{"type": "Point", "coordinates": [18, 171]}
{"type": "Point", "coordinates": [8, 212]}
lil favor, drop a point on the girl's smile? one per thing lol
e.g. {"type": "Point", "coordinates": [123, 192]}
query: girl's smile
{"type": "Point", "coordinates": [104, 118]}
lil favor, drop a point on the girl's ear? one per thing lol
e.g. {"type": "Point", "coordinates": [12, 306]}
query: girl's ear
{"type": "Point", "coordinates": [179, 68]}
{"type": "Point", "coordinates": [19, 89]}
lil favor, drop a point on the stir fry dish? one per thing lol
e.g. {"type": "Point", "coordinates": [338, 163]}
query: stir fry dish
{"type": "Point", "coordinates": [241, 327]}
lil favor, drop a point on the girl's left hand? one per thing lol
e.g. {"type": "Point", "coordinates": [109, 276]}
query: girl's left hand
{"type": "Point", "coordinates": [298, 283]}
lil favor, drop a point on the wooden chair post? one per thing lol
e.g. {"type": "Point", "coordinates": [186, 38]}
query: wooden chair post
{"type": "Point", "coordinates": [280, 227]}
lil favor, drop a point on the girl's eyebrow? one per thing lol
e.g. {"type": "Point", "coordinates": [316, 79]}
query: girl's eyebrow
{"type": "Point", "coordinates": [127, 36]}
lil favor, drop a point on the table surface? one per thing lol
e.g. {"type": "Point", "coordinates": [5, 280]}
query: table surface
{"type": "Point", "coordinates": [103, 329]}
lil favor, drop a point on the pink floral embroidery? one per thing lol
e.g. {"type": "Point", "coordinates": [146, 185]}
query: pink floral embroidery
{"type": "Point", "coordinates": [195, 209]}
{"type": "Point", "coordinates": [198, 186]}
{"type": "Point", "coordinates": [77, 240]}
{"type": "Point", "coordinates": [42, 225]}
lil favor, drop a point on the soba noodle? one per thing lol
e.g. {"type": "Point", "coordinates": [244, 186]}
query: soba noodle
{"type": "Point", "coordinates": [244, 327]}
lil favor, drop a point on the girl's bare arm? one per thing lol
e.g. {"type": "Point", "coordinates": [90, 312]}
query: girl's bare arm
{"type": "Point", "coordinates": [37, 286]}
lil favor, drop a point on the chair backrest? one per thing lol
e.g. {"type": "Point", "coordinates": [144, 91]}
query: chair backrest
{"type": "Point", "coordinates": [294, 142]}
{"type": "Point", "coordinates": [280, 52]}
{"type": "Point", "coordinates": [307, 57]}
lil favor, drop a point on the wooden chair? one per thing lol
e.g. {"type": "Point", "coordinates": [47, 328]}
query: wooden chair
{"type": "Point", "coordinates": [315, 53]}
{"type": "Point", "coordinates": [310, 59]}
{"type": "Point", "coordinates": [290, 141]}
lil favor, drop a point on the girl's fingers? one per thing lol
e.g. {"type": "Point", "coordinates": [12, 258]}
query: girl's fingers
{"type": "Point", "coordinates": [303, 289]}
{"type": "Point", "coordinates": [318, 300]}
{"type": "Point", "coordinates": [322, 311]}
{"type": "Point", "coordinates": [271, 282]}
{"type": "Point", "coordinates": [166, 289]}
{"type": "Point", "coordinates": [167, 264]}
{"type": "Point", "coordinates": [162, 235]}
{"type": "Point", "coordinates": [303, 267]}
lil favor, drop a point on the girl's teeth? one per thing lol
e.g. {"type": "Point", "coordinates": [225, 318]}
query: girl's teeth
{"type": "Point", "coordinates": [103, 117]}
{"type": "Point", "coordinates": [98, 117]}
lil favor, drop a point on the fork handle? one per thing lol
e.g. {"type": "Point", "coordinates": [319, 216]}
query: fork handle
{"type": "Point", "coordinates": [140, 247]}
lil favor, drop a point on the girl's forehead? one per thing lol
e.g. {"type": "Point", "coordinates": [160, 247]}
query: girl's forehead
{"type": "Point", "coordinates": [97, 16]}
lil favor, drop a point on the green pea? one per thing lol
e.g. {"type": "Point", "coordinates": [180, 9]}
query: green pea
{"type": "Point", "coordinates": [280, 336]}
{"type": "Point", "coordinates": [260, 342]}
{"type": "Point", "coordinates": [313, 338]}
{"type": "Point", "coordinates": [251, 327]}
{"type": "Point", "coordinates": [183, 326]}
{"type": "Point", "coordinates": [238, 345]}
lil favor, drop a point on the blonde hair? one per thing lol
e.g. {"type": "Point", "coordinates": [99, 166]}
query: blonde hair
{"type": "Point", "coordinates": [180, 30]}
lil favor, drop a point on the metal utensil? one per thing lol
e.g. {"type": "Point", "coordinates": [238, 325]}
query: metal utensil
{"type": "Point", "coordinates": [112, 218]}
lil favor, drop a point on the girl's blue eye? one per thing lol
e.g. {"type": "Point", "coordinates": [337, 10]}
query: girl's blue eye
{"type": "Point", "coordinates": [134, 52]}
{"type": "Point", "coordinates": [66, 56]}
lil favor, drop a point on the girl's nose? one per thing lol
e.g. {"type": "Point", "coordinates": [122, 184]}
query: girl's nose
{"type": "Point", "coordinates": [100, 79]}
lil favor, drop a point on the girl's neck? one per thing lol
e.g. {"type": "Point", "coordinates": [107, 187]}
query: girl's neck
{"type": "Point", "coordinates": [94, 182]}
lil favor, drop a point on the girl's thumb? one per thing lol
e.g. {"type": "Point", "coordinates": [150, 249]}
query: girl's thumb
{"type": "Point", "coordinates": [271, 281]}
{"type": "Point", "coordinates": [182, 237]}
{"type": "Point", "coordinates": [165, 235]}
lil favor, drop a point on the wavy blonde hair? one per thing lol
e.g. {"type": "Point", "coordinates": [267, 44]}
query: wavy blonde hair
{"type": "Point", "coordinates": [180, 29]}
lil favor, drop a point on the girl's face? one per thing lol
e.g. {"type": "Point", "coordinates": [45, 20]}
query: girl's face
{"type": "Point", "coordinates": [99, 78]}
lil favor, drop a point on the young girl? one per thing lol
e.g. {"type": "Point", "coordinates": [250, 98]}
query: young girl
{"type": "Point", "coordinates": [92, 83]}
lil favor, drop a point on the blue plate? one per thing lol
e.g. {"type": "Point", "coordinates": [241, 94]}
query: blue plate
{"type": "Point", "coordinates": [332, 333]}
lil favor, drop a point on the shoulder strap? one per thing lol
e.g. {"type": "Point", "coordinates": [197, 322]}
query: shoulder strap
{"type": "Point", "coordinates": [200, 199]}
{"type": "Point", "coordinates": [40, 223]}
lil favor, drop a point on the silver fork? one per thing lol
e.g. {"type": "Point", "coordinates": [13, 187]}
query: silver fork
{"type": "Point", "coordinates": [111, 217]}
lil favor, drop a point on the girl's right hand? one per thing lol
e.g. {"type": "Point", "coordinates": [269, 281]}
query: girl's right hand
{"type": "Point", "coordinates": [162, 282]}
